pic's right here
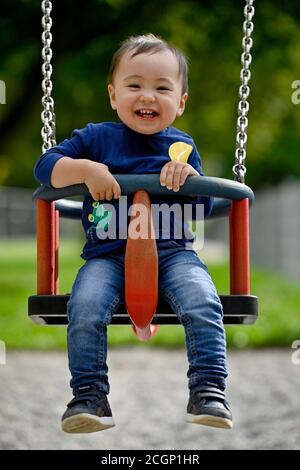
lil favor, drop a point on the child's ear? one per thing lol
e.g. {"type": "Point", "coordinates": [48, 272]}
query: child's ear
{"type": "Point", "coordinates": [181, 106]}
{"type": "Point", "coordinates": [112, 95]}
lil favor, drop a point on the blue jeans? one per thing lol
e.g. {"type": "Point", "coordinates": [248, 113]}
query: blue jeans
{"type": "Point", "coordinates": [184, 282]}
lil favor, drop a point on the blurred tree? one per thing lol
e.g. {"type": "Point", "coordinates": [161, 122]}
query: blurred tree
{"type": "Point", "coordinates": [209, 32]}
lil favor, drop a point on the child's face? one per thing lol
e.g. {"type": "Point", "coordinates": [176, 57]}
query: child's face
{"type": "Point", "coordinates": [147, 91]}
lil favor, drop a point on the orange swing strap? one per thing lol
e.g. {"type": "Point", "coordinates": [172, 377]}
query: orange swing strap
{"type": "Point", "coordinates": [141, 267]}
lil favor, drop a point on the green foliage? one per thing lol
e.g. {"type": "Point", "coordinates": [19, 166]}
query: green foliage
{"type": "Point", "coordinates": [279, 300]}
{"type": "Point", "coordinates": [209, 32]}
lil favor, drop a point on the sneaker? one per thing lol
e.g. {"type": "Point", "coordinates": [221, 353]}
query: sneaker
{"type": "Point", "coordinates": [208, 406]}
{"type": "Point", "coordinates": [89, 411]}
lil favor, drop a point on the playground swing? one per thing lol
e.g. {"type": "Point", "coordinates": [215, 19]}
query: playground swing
{"type": "Point", "coordinates": [145, 308]}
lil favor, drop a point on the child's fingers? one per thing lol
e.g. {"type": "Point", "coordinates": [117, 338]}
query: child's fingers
{"type": "Point", "coordinates": [183, 176]}
{"type": "Point", "coordinates": [116, 190]}
{"type": "Point", "coordinates": [163, 175]}
{"type": "Point", "coordinates": [109, 194]}
{"type": "Point", "coordinates": [169, 176]}
{"type": "Point", "coordinates": [173, 175]}
{"type": "Point", "coordinates": [95, 196]}
{"type": "Point", "coordinates": [177, 177]}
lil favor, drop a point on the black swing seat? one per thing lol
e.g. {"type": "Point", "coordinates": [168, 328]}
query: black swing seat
{"type": "Point", "coordinates": [52, 310]}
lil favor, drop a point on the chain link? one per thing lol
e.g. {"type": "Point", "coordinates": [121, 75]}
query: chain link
{"type": "Point", "coordinates": [47, 115]}
{"type": "Point", "coordinates": [239, 168]}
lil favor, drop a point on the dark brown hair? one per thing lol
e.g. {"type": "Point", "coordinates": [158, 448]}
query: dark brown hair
{"type": "Point", "coordinates": [149, 43]}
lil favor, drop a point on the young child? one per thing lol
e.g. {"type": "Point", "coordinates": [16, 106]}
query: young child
{"type": "Point", "coordinates": [148, 88]}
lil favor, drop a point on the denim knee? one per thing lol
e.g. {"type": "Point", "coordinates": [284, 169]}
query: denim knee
{"type": "Point", "coordinates": [87, 310]}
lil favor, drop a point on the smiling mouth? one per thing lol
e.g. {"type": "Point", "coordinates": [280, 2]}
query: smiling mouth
{"type": "Point", "coordinates": [146, 113]}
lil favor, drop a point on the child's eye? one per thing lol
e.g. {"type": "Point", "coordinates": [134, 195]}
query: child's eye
{"type": "Point", "coordinates": [133, 85]}
{"type": "Point", "coordinates": [163, 88]}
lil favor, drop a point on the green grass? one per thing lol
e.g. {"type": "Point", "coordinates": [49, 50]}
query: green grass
{"type": "Point", "coordinates": [278, 323]}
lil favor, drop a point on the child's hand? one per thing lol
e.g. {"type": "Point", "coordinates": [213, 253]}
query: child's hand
{"type": "Point", "coordinates": [100, 182]}
{"type": "Point", "coordinates": [174, 174]}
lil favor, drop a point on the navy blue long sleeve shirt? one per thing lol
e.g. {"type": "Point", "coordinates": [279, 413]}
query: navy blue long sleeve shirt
{"type": "Point", "coordinates": [124, 151]}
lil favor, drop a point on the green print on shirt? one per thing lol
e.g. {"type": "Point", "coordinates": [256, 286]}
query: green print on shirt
{"type": "Point", "coordinates": [100, 217]}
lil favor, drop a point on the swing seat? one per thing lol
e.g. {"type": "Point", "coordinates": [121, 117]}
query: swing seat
{"type": "Point", "coordinates": [50, 308]}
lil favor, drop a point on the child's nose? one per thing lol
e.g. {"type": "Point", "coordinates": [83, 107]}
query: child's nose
{"type": "Point", "coordinates": [147, 98]}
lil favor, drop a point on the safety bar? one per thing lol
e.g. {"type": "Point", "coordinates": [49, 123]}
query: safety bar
{"type": "Point", "coordinates": [223, 189]}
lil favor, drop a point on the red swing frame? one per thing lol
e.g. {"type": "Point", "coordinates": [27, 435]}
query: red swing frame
{"type": "Point", "coordinates": [48, 254]}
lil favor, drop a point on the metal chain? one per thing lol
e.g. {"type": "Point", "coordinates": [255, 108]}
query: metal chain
{"type": "Point", "coordinates": [239, 169]}
{"type": "Point", "coordinates": [47, 115]}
